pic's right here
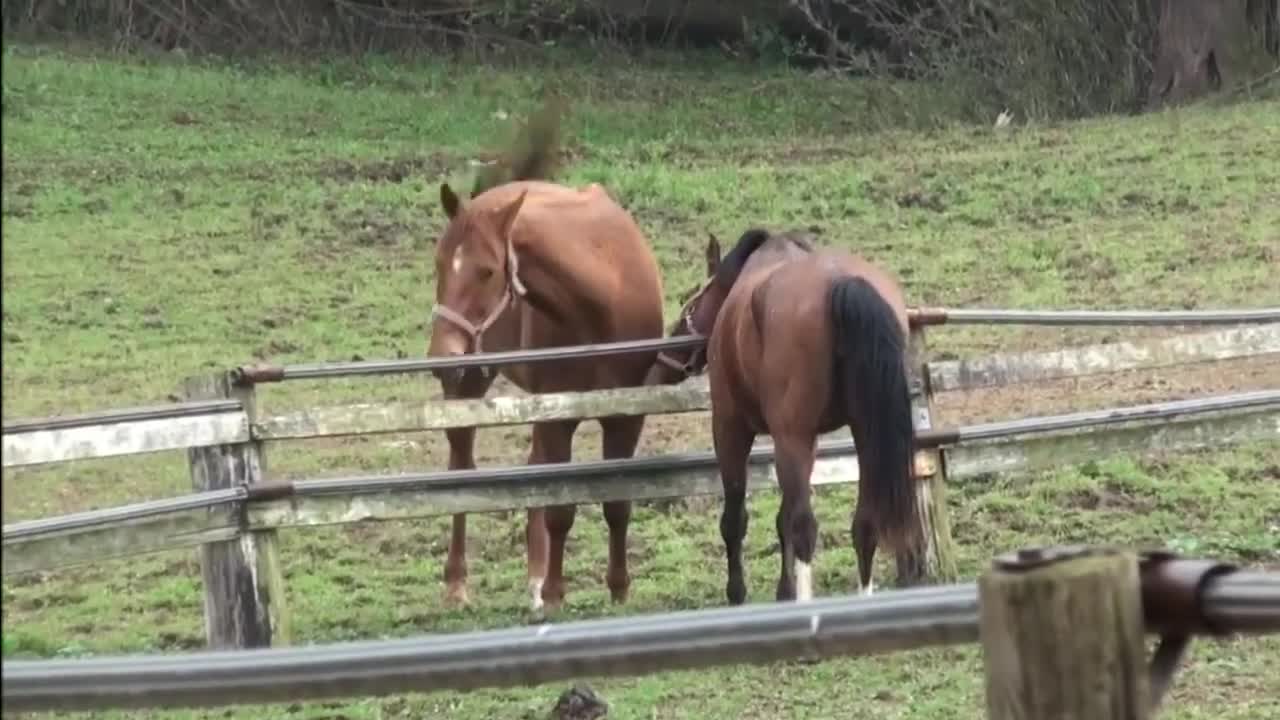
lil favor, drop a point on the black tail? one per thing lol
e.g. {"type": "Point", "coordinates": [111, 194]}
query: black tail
{"type": "Point", "coordinates": [870, 368]}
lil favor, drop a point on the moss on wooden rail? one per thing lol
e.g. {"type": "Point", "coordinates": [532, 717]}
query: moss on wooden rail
{"type": "Point", "coordinates": [692, 395]}
{"type": "Point", "coordinates": [997, 370]}
{"type": "Point", "coordinates": [1002, 455]}
{"type": "Point", "coordinates": [188, 528]}
{"type": "Point", "coordinates": [368, 418]}
{"type": "Point", "coordinates": [124, 438]}
{"type": "Point", "coordinates": [1011, 454]}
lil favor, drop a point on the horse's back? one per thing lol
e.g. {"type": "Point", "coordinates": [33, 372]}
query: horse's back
{"type": "Point", "coordinates": [616, 284]}
{"type": "Point", "coordinates": [774, 337]}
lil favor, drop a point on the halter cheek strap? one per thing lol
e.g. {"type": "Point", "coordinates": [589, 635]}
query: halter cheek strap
{"type": "Point", "coordinates": [685, 367]}
{"type": "Point", "coordinates": [515, 288]}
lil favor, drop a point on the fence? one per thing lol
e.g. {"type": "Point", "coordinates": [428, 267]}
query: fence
{"type": "Point", "coordinates": [236, 510]}
{"type": "Point", "coordinates": [1018, 610]}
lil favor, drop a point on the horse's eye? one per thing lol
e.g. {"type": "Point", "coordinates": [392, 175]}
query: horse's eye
{"type": "Point", "coordinates": [485, 273]}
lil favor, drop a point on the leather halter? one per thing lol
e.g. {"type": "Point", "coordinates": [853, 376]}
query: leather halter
{"type": "Point", "coordinates": [514, 290]}
{"type": "Point", "coordinates": [686, 368]}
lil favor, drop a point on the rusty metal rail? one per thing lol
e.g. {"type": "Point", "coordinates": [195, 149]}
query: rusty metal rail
{"type": "Point", "coordinates": [1180, 597]}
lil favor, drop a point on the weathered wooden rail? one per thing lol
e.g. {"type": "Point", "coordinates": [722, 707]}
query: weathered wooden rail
{"type": "Point", "coordinates": [1021, 445]}
{"type": "Point", "coordinates": [1022, 610]}
{"type": "Point", "coordinates": [237, 508]}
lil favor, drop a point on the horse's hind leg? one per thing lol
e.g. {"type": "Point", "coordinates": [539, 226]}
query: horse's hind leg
{"type": "Point", "coordinates": [733, 440]}
{"type": "Point", "coordinates": [797, 525]}
{"type": "Point", "coordinates": [621, 435]}
{"type": "Point", "coordinates": [548, 528]}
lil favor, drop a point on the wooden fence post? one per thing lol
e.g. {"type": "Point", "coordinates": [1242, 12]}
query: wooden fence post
{"type": "Point", "coordinates": [244, 596]}
{"type": "Point", "coordinates": [935, 560]}
{"type": "Point", "coordinates": [1062, 636]}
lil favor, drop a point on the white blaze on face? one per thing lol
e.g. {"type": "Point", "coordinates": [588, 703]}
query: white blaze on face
{"type": "Point", "coordinates": [804, 582]}
{"type": "Point", "coordinates": [535, 593]}
{"type": "Point", "coordinates": [457, 259]}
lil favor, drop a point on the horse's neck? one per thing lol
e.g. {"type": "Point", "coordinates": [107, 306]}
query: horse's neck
{"type": "Point", "coordinates": [569, 287]}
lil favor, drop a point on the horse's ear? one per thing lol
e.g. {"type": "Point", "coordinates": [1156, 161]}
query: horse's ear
{"type": "Point", "coordinates": [506, 217]}
{"type": "Point", "coordinates": [449, 199]}
{"type": "Point", "coordinates": [713, 254]}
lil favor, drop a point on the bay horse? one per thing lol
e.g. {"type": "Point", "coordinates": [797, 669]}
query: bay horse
{"type": "Point", "coordinates": [527, 263]}
{"type": "Point", "coordinates": [801, 341]}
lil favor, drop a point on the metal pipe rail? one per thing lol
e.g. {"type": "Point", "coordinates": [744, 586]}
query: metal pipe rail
{"type": "Point", "coordinates": [842, 626]}
{"type": "Point", "coordinates": [254, 374]}
{"type": "Point", "coordinates": [122, 514]}
{"type": "Point", "coordinates": [1084, 318]}
{"type": "Point", "coordinates": [764, 454]}
{"type": "Point", "coordinates": [479, 477]}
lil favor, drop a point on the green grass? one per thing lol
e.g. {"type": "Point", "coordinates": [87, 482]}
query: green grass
{"type": "Point", "coordinates": [167, 218]}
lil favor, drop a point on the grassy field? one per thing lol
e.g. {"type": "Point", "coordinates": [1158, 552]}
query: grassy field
{"type": "Point", "coordinates": [164, 218]}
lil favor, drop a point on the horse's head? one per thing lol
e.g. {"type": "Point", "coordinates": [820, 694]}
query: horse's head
{"type": "Point", "coordinates": [697, 316]}
{"type": "Point", "coordinates": [477, 277]}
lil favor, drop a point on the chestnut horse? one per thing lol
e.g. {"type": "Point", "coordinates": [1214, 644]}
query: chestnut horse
{"type": "Point", "coordinates": [802, 341]}
{"type": "Point", "coordinates": [532, 264]}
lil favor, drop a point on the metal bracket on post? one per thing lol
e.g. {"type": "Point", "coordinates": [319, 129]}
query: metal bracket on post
{"type": "Point", "coordinates": [1029, 601]}
{"type": "Point", "coordinates": [1172, 591]}
{"type": "Point", "coordinates": [1173, 604]}
{"type": "Point", "coordinates": [934, 561]}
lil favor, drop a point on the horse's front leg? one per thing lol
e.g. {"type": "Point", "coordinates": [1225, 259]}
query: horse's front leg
{"type": "Point", "coordinates": [732, 440]}
{"type": "Point", "coordinates": [461, 457]}
{"type": "Point", "coordinates": [620, 438]}
{"type": "Point", "coordinates": [462, 442]}
{"type": "Point", "coordinates": [548, 528]}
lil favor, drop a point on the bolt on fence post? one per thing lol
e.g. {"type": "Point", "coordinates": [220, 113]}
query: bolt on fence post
{"type": "Point", "coordinates": [935, 560]}
{"type": "Point", "coordinates": [244, 594]}
{"type": "Point", "coordinates": [1062, 636]}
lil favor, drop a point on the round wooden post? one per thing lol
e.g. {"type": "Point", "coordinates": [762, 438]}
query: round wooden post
{"type": "Point", "coordinates": [1062, 636]}
{"type": "Point", "coordinates": [244, 595]}
{"type": "Point", "coordinates": [935, 560]}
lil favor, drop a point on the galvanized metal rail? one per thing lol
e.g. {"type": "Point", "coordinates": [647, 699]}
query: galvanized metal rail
{"type": "Point", "coordinates": [1190, 594]}
{"type": "Point", "coordinates": [125, 415]}
{"type": "Point", "coordinates": [253, 374]}
{"type": "Point", "coordinates": [1063, 318]}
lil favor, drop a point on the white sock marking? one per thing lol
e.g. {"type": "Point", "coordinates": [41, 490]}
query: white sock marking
{"type": "Point", "coordinates": [535, 593]}
{"type": "Point", "coordinates": [804, 582]}
{"type": "Point", "coordinates": [870, 587]}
